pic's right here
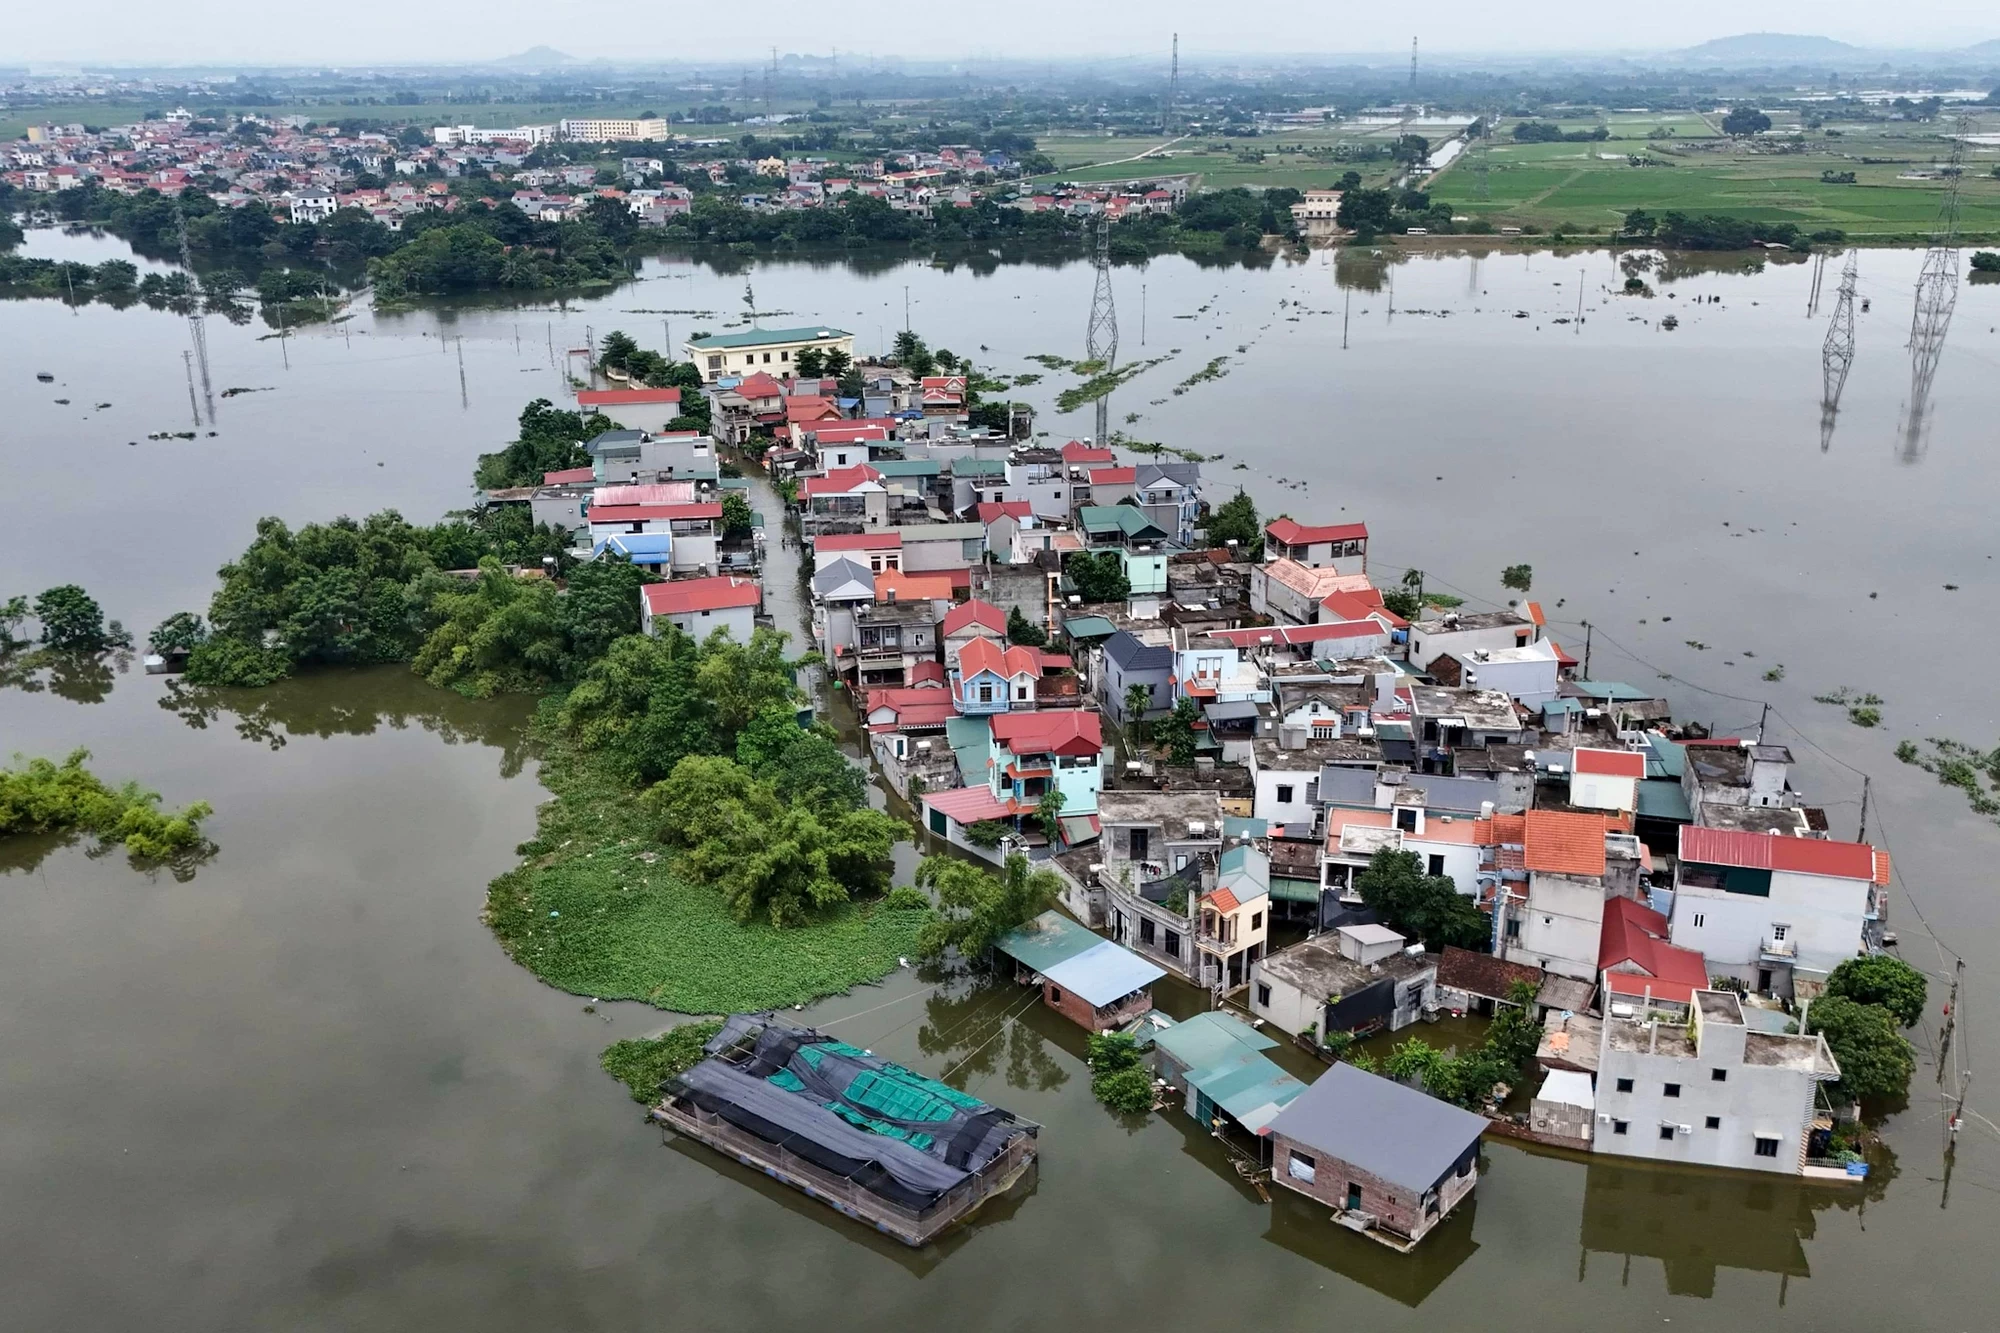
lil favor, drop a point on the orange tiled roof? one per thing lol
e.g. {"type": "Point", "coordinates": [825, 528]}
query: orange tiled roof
{"type": "Point", "coordinates": [1561, 843]}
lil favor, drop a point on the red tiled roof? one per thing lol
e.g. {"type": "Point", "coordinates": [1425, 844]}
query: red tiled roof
{"type": "Point", "coordinates": [651, 513]}
{"type": "Point", "coordinates": [977, 655]}
{"type": "Point", "coordinates": [929, 707]}
{"type": "Point", "coordinates": [852, 432]}
{"type": "Point", "coordinates": [759, 385]}
{"type": "Point", "coordinates": [1560, 843]}
{"type": "Point", "coordinates": [1114, 476]}
{"type": "Point", "coordinates": [1077, 453]}
{"type": "Point", "coordinates": [928, 673]}
{"type": "Point", "coordinates": [1660, 988]}
{"type": "Point", "coordinates": [1482, 973]}
{"type": "Point", "coordinates": [1069, 731]}
{"type": "Point", "coordinates": [967, 805]}
{"type": "Point", "coordinates": [840, 481]}
{"type": "Point", "coordinates": [1770, 851]}
{"type": "Point", "coordinates": [1361, 606]}
{"type": "Point", "coordinates": [988, 510]}
{"type": "Point", "coordinates": [975, 612]}
{"type": "Point", "coordinates": [1293, 533]}
{"type": "Point", "coordinates": [859, 541]}
{"type": "Point", "coordinates": [895, 585]}
{"type": "Point", "coordinates": [1562, 658]}
{"type": "Point", "coordinates": [1223, 900]}
{"type": "Point", "coordinates": [626, 397]}
{"type": "Point", "coordinates": [684, 595]}
{"type": "Point", "coordinates": [1295, 634]}
{"type": "Point", "coordinates": [1534, 610]}
{"type": "Point", "coordinates": [1610, 763]}
{"type": "Point", "coordinates": [568, 475]}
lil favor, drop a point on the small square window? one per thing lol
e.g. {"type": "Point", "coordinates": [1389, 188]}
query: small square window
{"type": "Point", "coordinates": [1766, 1147]}
{"type": "Point", "coordinates": [1624, 1085]}
{"type": "Point", "coordinates": [1718, 1075]}
{"type": "Point", "coordinates": [1714, 1122]}
{"type": "Point", "coordinates": [1284, 796]}
{"type": "Point", "coordinates": [1672, 1090]}
{"type": "Point", "coordinates": [1620, 1126]}
{"type": "Point", "coordinates": [1263, 993]}
{"type": "Point", "coordinates": [1256, 921]}
{"type": "Point", "coordinates": [1667, 1133]}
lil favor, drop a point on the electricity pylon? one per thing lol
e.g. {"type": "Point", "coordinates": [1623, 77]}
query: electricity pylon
{"type": "Point", "coordinates": [1937, 296]}
{"type": "Point", "coordinates": [1837, 352]}
{"type": "Point", "coordinates": [1101, 342]}
{"type": "Point", "coordinates": [196, 330]}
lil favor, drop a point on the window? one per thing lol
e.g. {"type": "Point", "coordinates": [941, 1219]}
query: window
{"type": "Point", "coordinates": [1263, 994]}
{"type": "Point", "coordinates": [1256, 921]}
{"type": "Point", "coordinates": [1778, 932]}
{"type": "Point", "coordinates": [784, 356]}
{"type": "Point", "coordinates": [767, 358]}
{"type": "Point", "coordinates": [986, 694]}
{"type": "Point", "coordinates": [1514, 928]}
{"type": "Point", "coordinates": [1667, 1133]}
{"type": "Point", "coordinates": [1671, 1090]}
{"type": "Point", "coordinates": [1284, 795]}
{"type": "Point", "coordinates": [1624, 1085]}
{"type": "Point", "coordinates": [1146, 933]}
{"type": "Point", "coordinates": [1406, 820]}
{"type": "Point", "coordinates": [1055, 995]}
{"type": "Point", "coordinates": [1700, 920]}
{"type": "Point", "coordinates": [1718, 1075]}
{"type": "Point", "coordinates": [1300, 1166]}
{"type": "Point", "coordinates": [1172, 944]}
{"type": "Point", "coordinates": [1620, 1126]}
{"type": "Point", "coordinates": [1713, 1122]}
{"type": "Point", "coordinates": [1766, 1147]}
{"type": "Point", "coordinates": [1437, 864]}
{"type": "Point", "coordinates": [1020, 691]}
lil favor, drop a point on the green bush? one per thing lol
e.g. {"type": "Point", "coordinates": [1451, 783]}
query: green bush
{"type": "Point", "coordinates": [1118, 1078]}
{"type": "Point", "coordinates": [67, 798]}
{"type": "Point", "coordinates": [644, 1063]}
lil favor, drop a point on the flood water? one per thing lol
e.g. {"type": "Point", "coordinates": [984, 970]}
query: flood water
{"type": "Point", "coordinates": [304, 1089]}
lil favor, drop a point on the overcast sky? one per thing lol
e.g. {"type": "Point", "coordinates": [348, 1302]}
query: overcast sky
{"type": "Point", "coordinates": [422, 31]}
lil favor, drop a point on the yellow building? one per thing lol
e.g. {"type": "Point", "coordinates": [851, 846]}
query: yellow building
{"type": "Point", "coordinates": [772, 351]}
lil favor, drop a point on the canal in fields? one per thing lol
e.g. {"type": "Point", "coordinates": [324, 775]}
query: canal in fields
{"type": "Point", "coordinates": [304, 1089]}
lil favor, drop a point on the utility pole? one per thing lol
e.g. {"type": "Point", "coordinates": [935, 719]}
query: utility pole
{"type": "Point", "coordinates": [1579, 301]}
{"type": "Point", "coordinates": [194, 406]}
{"type": "Point", "coordinates": [1413, 67]}
{"type": "Point", "coordinates": [1586, 650]}
{"type": "Point", "coordinates": [1142, 314]}
{"type": "Point", "coordinates": [463, 401]}
{"type": "Point", "coordinates": [1345, 311]}
{"type": "Point", "coordinates": [1173, 88]}
{"type": "Point", "coordinates": [197, 334]}
{"type": "Point", "coordinates": [283, 337]}
{"type": "Point", "coordinates": [906, 307]}
{"type": "Point", "coordinates": [1762, 718]}
{"type": "Point", "coordinates": [1946, 1054]}
{"type": "Point", "coordinates": [1101, 337]}
{"type": "Point", "coordinates": [1861, 834]}
{"type": "Point", "coordinates": [1812, 294]}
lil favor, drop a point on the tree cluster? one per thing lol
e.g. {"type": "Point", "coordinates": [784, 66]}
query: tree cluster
{"type": "Point", "coordinates": [68, 799]}
{"type": "Point", "coordinates": [1236, 521]}
{"type": "Point", "coordinates": [1118, 1077]}
{"type": "Point", "coordinates": [1098, 576]}
{"type": "Point", "coordinates": [976, 907]}
{"type": "Point", "coordinates": [1424, 907]}
{"type": "Point", "coordinates": [1866, 1001]}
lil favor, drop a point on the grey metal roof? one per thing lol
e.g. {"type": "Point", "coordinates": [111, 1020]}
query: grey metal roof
{"type": "Point", "coordinates": [1457, 795]}
{"type": "Point", "coordinates": [1341, 785]}
{"type": "Point", "coordinates": [1185, 474]}
{"type": "Point", "coordinates": [1133, 653]}
{"type": "Point", "coordinates": [1405, 1137]}
{"type": "Point", "coordinates": [1235, 710]}
{"type": "Point", "coordinates": [840, 573]}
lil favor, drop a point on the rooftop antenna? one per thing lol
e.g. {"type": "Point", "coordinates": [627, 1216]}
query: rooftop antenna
{"type": "Point", "coordinates": [1837, 352]}
{"type": "Point", "coordinates": [1173, 88]}
{"type": "Point", "coordinates": [1937, 296]}
{"type": "Point", "coordinates": [1101, 340]}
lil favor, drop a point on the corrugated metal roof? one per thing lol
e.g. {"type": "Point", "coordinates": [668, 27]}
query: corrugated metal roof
{"type": "Point", "coordinates": [1766, 851]}
{"type": "Point", "coordinates": [1664, 798]}
{"type": "Point", "coordinates": [1103, 973]}
{"type": "Point", "coordinates": [1049, 939]}
{"type": "Point", "coordinates": [1403, 1136]}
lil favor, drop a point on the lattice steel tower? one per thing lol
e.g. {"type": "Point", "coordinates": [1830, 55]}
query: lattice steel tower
{"type": "Point", "coordinates": [1837, 352]}
{"type": "Point", "coordinates": [1937, 296]}
{"type": "Point", "coordinates": [197, 332]}
{"type": "Point", "coordinates": [1101, 342]}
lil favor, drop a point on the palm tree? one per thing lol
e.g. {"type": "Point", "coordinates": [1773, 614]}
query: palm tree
{"type": "Point", "coordinates": [1138, 701]}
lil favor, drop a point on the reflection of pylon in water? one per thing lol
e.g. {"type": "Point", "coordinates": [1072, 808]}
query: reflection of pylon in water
{"type": "Point", "coordinates": [1837, 352]}
{"type": "Point", "coordinates": [1937, 296]}
{"type": "Point", "coordinates": [197, 333]}
{"type": "Point", "coordinates": [1101, 340]}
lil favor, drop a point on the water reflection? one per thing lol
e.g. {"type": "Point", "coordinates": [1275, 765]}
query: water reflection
{"type": "Point", "coordinates": [24, 854]}
{"type": "Point", "coordinates": [358, 702]}
{"type": "Point", "coordinates": [1695, 1222]}
{"type": "Point", "coordinates": [83, 678]}
{"type": "Point", "coordinates": [1300, 1225]}
{"type": "Point", "coordinates": [997, 1027]}
{"type": "Point", "coordinates": [1930, 321]}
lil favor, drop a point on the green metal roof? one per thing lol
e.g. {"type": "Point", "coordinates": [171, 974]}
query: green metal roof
{"type": "Point", "coordinates": [760, 337]}
{"type": "Point", "coordinates": [1089, 627]}
{"type": "Point", "coordinates": [1248, 1086]}
{"type": "Point", "coordinates": [1670, 757]}
{"type": "Point", "coordinates": [1663, 798]}
{"type": "Point", "coordinates": [906, 467]}
{"type": "Point", "coordinates": [978, 467]}
{"type": "Point", "coordinates": [1294, 890]}
{"type": "Point", "coordinates": [1210, 1037]}
{"type": "Point", "coordinates": [1609, 689]}
{"type": "Point", "coordinates": [1049, 939]}
{"type": "Point", "coordinates": [1127, 519]}
{"type": "Point", "coordinates": [971, 742]}
{"type": "Point", "coordinates": [1239, 826]}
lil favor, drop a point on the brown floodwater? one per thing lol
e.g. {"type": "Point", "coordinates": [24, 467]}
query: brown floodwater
{"type": "Point", "coordinates": [303, 1088]}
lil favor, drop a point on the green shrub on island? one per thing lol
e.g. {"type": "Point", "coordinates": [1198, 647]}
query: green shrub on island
{"type": "Point", "coordinates": [68, 799]}
{"type": "Point", "coordinates": [1118, 1078]}
{"type": "Point", "coordinates": [642, 1064]}
{"type": "Point", "coordinates": [71, 621]}
{"type": "Point", "coordinates": [976, 907]}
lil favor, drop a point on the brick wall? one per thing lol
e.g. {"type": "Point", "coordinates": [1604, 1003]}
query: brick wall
{"type": "Point", "coordinates": [1394, 1207]}
{"type": "Point", "coordinates": [1082, 1013]}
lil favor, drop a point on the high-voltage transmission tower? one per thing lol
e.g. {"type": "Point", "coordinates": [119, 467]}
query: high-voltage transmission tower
{"type": "Point", "coordinates": [1837, 352]}
{"type": "Point", "coordinates": [1173, 89]}
{"type": "Point", "coordinates": [1413, 65]}
{"type": "Point", "coordinates": [1937, 296]}
{"type": "Point", "coordinates": [1101, 342]}
{"type": "Point", "coordinates": [196, 332]}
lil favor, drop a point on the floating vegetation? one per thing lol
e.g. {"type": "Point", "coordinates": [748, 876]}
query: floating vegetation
{"type": "Point", "coordinates": [1023, 381]}
{"type": "Point", "coordinates": [1212, 371]}
{"type": "Point", "coordinates": [1956, 764]}
{"type": "Point", "coordinates": [1776, 673]}
{"type": "Point", "coordinates": [171, 435]}
{"type": "Point", "coordinates": [1100, 383]}
{"type": "Point", "coordinates": [239, 389]}
{"type": "Point", "coordinates": [1697, 645]}
{"type": "Point", "coordinates": [1049, 362]}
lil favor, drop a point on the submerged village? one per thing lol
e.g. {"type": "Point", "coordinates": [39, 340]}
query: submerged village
{"type": "Point", "coordinates": [1200, 748]}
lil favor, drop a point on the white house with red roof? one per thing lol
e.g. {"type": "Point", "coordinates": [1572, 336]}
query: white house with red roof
{"type": "Point", "coordinates": [970, 620]}
{"type": "Point", "coordinates": [700, 607]}
{"type": "Point", "coordinates": [696, 529]}
{"type": "Point", "coordinates": [1337, 546]}
{"type": "Point", "coordinates": [633, 409]}
{"type": "Point", "coordinates": [878, 550]}
{"type": "Point", "coordinates": [852, 494]}
{"type": "Point", "coordinates": [1288, 591]}
{"type": "Point", "coordinates": [1605, 779]}
{"type": "Point", "coordinates": [989, 677]}
{"type": "Point", "coordinates": [1777, 912]}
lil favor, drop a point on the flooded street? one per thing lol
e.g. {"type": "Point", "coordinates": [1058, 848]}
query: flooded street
{"type": "Point", "coordinates": [306, 1090]}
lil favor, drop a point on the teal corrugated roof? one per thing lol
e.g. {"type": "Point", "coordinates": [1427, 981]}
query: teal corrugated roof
{"type": "Point", "coordinates": [1670, 757]}
{"type": "Point", "coordinates": [906, 467]}
{"type": "Point", "coordinates": [1608, 689]}
{"type": "Point", "coordinates": [758, 337]}
{"type": "Point", "coordinates": [1238, 826]}
{"type": "Point", "coordinates": [1127, 519]}
{"type": "Point", "coordinates": [1089, 627]}
{"type": "Point", "coordinates": [1294, 890]}
{"type": "Point", "coordinates": [1209, 1038]}
{"type": "Point", "coordinates": [971, 742]}
{"type": "Point", "coordinates": [978, 467]}
{"type": "Point", "coordinates": [1663, 798]}
{"type": "Point", "coordinates": [1049, 939]}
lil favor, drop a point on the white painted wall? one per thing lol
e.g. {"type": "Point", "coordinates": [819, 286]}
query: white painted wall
{"type": "Point", "coordinates": [1600, 791]}
{"type": "Point", "coordinates": [1290, 1009]}
{"type": "Point", "coordinates": [1561, 925]}
{"type": "Point", "coordinates": [740, 621]}
{"type": "Point", "coordinates": [1753, 1101]}
{"type": "Point", "coordinates": [1824, 918]}
{"type": "Point", "coordinates": [1270, 804]}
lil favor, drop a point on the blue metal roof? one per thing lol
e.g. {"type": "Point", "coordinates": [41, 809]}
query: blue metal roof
{"type": "Point", "coordinates": [1049, 939]}
{"type": "Point", "coordinates": [1103, 973]}
{"type": "Point", "coordinates": [1238, 826]}
{"type": "Point", "coordinates": [641, 548]}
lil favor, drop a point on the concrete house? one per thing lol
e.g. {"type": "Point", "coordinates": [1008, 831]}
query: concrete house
{"type": "Point", "coordinates": [1216, 1061]}
{"type": "Point", "coordinates": [1130, 660]}
{"type": "Point", "coordinates": [1777, 913]}
{"type": "Point", "coordinates": [1391, 1161]}
{"type": "Point", "coordinates": [1232, 923]}
{"type": "Point", "coordinates": [1170, 495]}
{"type": "Point", "coordinates": [1574, 861]}
{"type": "Point", "coordinates": [775, 350]}
{"type": "Point", "coordinates": [633, 409]}
{"type": "Point", "coordinates": [1158, 854]}
{"type": "Point", "coordinates": [1606, 779]}
{"type": "Point", "coordinates": [1706, 1090]}
{"type": "Point", "coordinates": [1295, 593]}
{"type": "Point", "coordinates": [1459, 635]}
{"type": "Point", "coordinates": [699, 607]}
{"type": "Point", "coordinates": [1355, 979]}
{"type": "Point", "coordinates": [1341, 547]}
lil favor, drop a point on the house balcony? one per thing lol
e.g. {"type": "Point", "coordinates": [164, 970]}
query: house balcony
{"type": "Point", "coordinates": [1778, 951]}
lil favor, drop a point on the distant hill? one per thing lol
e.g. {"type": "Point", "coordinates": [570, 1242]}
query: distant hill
{"type": "Point", "coordinates": [537, 57]}
{"type": "Point", "coordinates": [1769, 48]}
{"type": "Point", "coordinates": [1983, 50]}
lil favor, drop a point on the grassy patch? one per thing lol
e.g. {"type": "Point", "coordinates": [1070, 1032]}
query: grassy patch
{"type": "Point", "coordinates": [642, 1064]}
{"type": "Point", "coordinates": [1956, 764]}
{"type": "Point", "coordinates": [596, 909]}
{"type": "Point", "coordinates": [1101, 383]}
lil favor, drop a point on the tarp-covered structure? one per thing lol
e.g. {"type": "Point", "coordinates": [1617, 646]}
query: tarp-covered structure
{"type": "Point", "coordinates": [902, 1137]}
